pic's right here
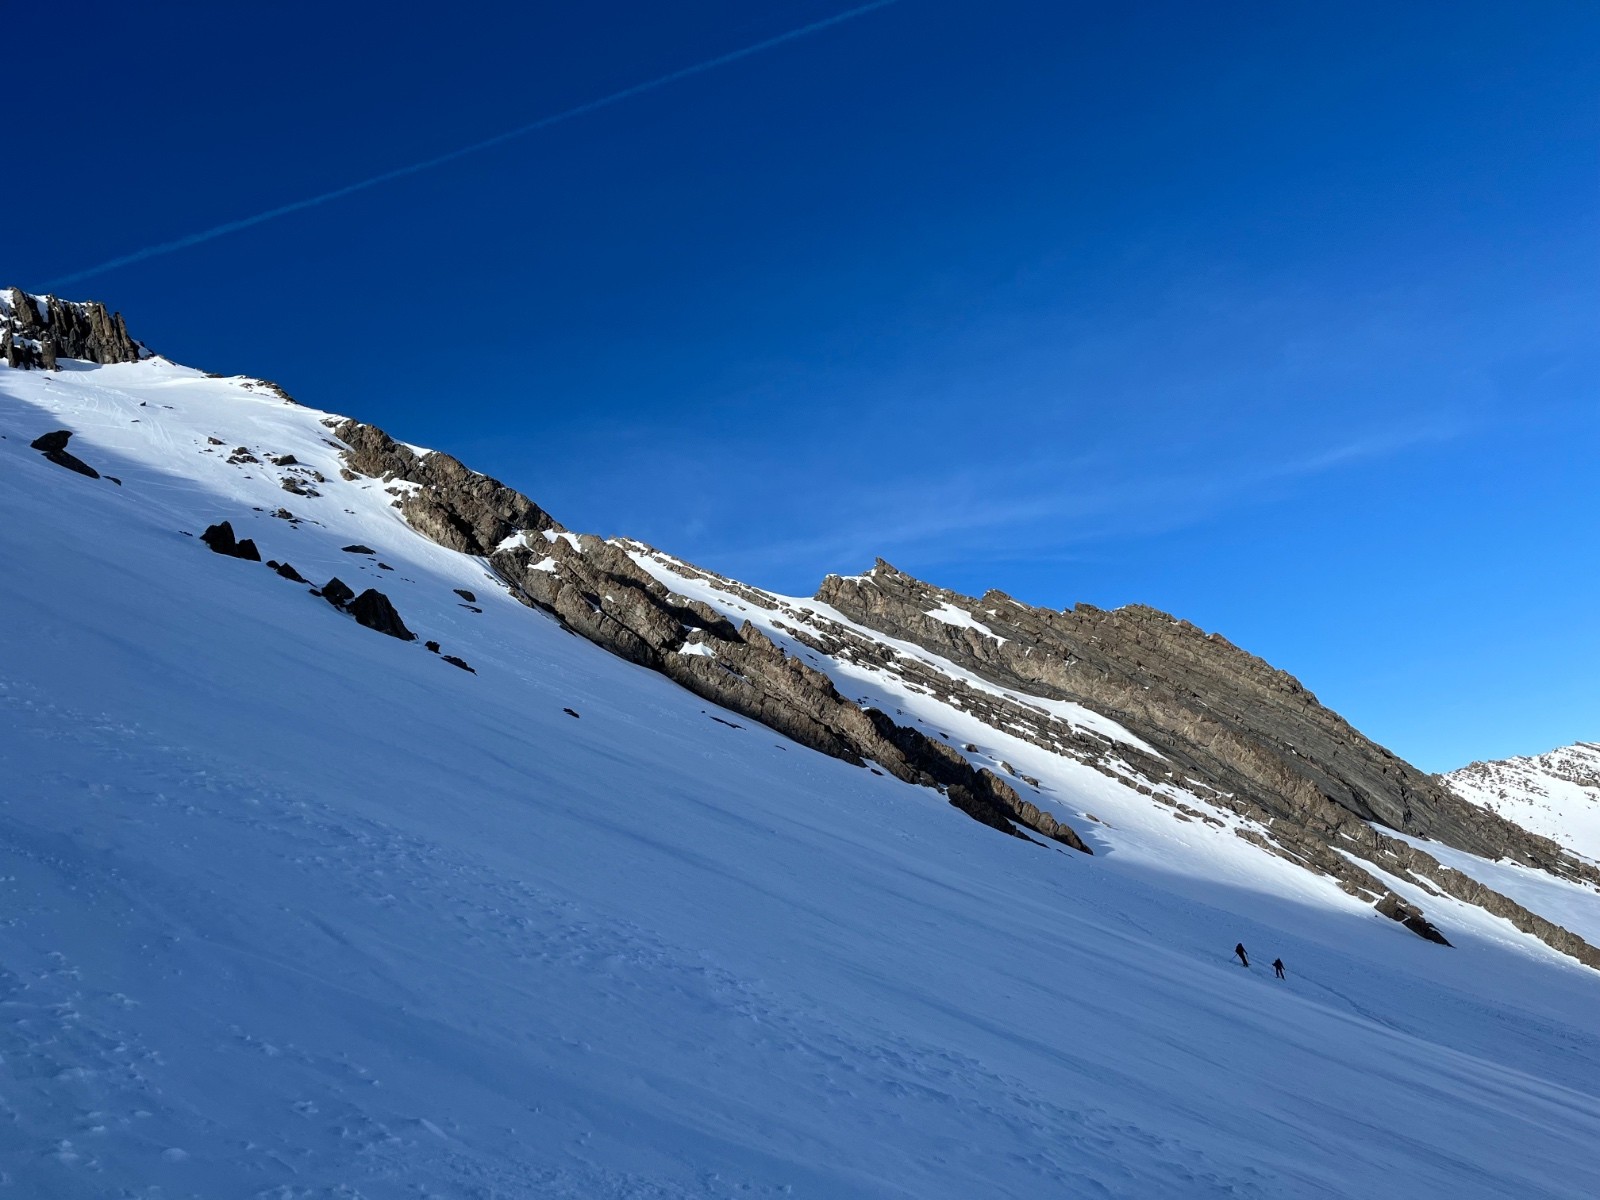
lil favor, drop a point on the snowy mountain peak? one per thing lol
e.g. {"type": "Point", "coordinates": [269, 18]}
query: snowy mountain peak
{"type": "Point", "coordinates": [1556, 794]}
{"type": "Point", "coordinates": [37, 331]}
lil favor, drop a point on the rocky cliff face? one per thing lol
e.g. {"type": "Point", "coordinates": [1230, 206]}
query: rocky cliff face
{"type": "Point", "coordinates": [37, 331]}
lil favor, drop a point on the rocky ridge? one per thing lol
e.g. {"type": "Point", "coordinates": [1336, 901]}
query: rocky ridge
{"type": "Point", "coordinates": [1225, 725]}
{"type": "Point", "coordinates": [38, 331]}
{"type": "Point", "coordinates": [596, 590]}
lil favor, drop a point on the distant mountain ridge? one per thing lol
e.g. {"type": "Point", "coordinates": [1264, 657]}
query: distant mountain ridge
{"type": "Point", "coordinates": [1555, 794]}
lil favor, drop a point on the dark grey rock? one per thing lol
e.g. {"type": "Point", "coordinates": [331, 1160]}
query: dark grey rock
{"type": "Point", "coordinates": [220, 537]}
{"type": "Point", "coordinates": [337, 593]}
{"type": "Point", "coordinates": [358, 549]}
{"type": "Point", "coordinates": [456, 662]}
{"type": "Point", "coordinates": [374, 610]}
{"type": "Point", "coordinates": [465, 595]}
{"type": "Point", "coordinates": [54, 447]}
{"type": "Point", "coordinates": [1411, 917]}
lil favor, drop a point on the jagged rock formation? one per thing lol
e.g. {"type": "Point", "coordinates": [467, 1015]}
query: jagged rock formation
{"type": "Point", "coordinates": [455, 507]}
{"type": "Point", "coordinates": [37, 331]}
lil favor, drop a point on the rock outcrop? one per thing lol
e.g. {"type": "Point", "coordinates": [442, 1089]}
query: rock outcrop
{"type": "Point", "coordinates": [453, 506]}
{"type": "Point", "coordinates": [38, 331]}
{"type": "Point", "coordinates": [375, 610]}
{"type": "Point", "coordinates": [595, 589]}
{"type": "Point", "coordinates": [220, 538]}
{"type": "Point", "coordinates": [1224, 725]}
{"type": "Point", "coordinates": [54, 447]}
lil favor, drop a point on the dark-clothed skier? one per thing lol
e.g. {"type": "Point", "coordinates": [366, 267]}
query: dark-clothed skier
{"type": "Point", "coordinates": [1239, 950]}
{"type": "Point", "coordinates": [1277, 965]}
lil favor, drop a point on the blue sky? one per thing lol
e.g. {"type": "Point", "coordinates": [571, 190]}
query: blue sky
{"type": "Point", "coordinates": [1279, 317]}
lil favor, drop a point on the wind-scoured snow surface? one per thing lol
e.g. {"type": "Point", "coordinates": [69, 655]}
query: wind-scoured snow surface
{"type": "Point", "coordinates": [289, 908]}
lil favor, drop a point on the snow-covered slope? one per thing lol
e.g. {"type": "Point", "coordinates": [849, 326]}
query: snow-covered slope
{"type": "Point", "coordinates": [1555, 794]}
{"type": "Point", "coordinates": [291, 908]}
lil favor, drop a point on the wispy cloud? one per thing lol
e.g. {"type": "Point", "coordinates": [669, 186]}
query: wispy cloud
{"type": "Point", "coordinates": [1030, 514]}
{"type": "Point", "coordinates": [438, 160]}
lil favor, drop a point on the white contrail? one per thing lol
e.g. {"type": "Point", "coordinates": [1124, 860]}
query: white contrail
{"type": "Point", "coordinates": [283, 210]}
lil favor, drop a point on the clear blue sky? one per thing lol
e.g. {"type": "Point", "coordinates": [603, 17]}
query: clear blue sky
{"type": "Point", "coordinates": [1281, 317]}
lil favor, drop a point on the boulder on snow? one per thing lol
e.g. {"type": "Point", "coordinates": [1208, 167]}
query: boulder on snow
{"type": "Point", "coordinates": [1411, 917]}
{"type": "Point", "coordinates": [288, 572]}
{"type": "Point", "coordinates": [358, 549]}
{"type": "Point", "coordinates": [456, 662]}
{"type": "Point", "coordinates": [221, 540]}
{"type": "Point", "coordinates": [465, 595]}
{"type": "Point", "coordinates": [54, 447]}
{"type": "Point", "coordinates": [373, 609]}
{"type": "Point", "coordinates": [337, 593]}
{"type": "Point", "coordinates": [433, 646]}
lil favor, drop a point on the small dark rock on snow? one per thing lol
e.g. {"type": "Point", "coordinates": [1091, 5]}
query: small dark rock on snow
{"type": "Point", "coordinates": [373, 609]}
{"type": "Point", "coordinates": [465, 595]}
{"type": "Point", "coordinates": [54, 447]}
{"type": "Point", "coordinates": [337, 593]}
{"type": "Point", "coordinates": [358, 549]}
{"type": "Point", "coordinates": [456, 662]}
{"type": "Point", "coordinates": [221, 540]}
{"type": "Point", "coordinates": [1411, 917]}
{"type": "Point", "coordinates": [434, 646]}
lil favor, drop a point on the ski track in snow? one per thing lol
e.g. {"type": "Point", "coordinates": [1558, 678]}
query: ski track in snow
{"type": "Point", "coordinates": [291, 909]}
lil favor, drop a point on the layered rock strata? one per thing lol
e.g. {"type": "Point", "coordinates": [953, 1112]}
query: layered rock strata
{"type": "Point", "coordinates": [1225, 726]}
{"type": "Point", "coordinates": [598, 591]}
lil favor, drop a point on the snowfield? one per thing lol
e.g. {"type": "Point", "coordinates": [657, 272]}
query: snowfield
{"type": "Point", "coordinates": [290, 909]}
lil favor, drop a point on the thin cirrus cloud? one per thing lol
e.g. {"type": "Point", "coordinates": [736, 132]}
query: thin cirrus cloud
{"type": "Point", "coordinates": [958, 519]}
{"type": "Point", "coordinates": [202, 236]}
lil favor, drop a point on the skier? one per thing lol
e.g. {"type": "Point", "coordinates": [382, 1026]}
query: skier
{"type": "Point", "coordinates": [1277, 965]}
{"type": "Point", "coordinates": [1239, 950]}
